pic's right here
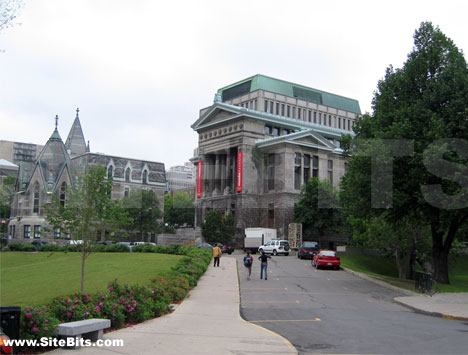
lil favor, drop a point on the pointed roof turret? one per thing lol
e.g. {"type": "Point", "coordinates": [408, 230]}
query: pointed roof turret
{"type": "Point", "coordinates": [75, 143]}
{"type": "Point", "coordinates": [53, 159]}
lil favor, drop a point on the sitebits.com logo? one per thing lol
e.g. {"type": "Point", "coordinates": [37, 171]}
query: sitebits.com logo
{"type": "Point", "coordinates": [7, 345]}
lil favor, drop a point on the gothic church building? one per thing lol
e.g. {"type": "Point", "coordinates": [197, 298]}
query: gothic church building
{"type": "Point", "coordinates": [58, 166]}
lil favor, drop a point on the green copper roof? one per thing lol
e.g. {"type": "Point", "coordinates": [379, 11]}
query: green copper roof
{"type": "Point", "coordinates": [262, 82]}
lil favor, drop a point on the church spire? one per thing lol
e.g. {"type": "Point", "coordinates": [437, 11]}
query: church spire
{"type": "Point", "coordinates": [75, 143]}
{"type": "Point", "coordinates": [55, 135]}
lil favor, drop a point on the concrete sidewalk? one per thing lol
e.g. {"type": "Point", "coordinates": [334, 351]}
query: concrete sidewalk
{"type": "Point", "coordinates": [446, 305]}
{"type": "Point", "coordinates": [207, 322]}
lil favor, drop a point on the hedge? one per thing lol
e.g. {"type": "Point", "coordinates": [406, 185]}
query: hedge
{"type": "Point", "coordinates": [120, 303]}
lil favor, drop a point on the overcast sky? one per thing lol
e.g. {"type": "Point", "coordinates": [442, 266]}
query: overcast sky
{"type": "Point", "coordinates": [140, 71]}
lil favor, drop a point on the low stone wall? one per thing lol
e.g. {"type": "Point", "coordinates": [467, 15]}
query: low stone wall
{"type": "Point", "coordinates": [182, 236]}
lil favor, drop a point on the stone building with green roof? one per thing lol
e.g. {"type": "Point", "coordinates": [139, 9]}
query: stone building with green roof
{"type": "Point", "coordinates": [260, 141]}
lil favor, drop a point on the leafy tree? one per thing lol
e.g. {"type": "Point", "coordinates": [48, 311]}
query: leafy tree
{"type": "Point", "coordinates": [88, 210]}
{"type": "Point", "coordinates": [142, 207]}
{"type": "Point", "coordinates": [217, 228]}
{"type": "Point", "coordinates": [179, 208]}
{"type": "Point", "coordinates": [317, 208]}
{"type": "Point", "coordinates": [6, 197]}
{"type": "Point", "coordinates": [8, 12]}
{"type": "Point", "coordinates": [425, 102]}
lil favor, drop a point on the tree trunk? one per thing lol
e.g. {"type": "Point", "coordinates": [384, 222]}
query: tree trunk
{"type": "Point", "coordinates": [83, 259]}
{"type": "Point", "coordinates": [412, 261]}
{"type": "Point", "coordinates": [440, 265]}
{"type": "Point", "coordinates": [402, 260]}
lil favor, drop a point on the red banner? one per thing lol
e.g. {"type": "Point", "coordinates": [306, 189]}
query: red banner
{"type": "Point", "coordinates": [240, 162]}
{"type": "Point", "coordinates": [199, 178]}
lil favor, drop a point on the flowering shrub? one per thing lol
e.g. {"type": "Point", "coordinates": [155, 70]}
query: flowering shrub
{"type": "Point", "coordinates": [119, 303]}
{"type": "Point", "coordinates": [106, 307]}
{"type": "Point", "coordinates": [72, 308]}
{"type": "Point", "coordinates": [172, 287]}
{"type": "Point", "coordinates": [37, 322]}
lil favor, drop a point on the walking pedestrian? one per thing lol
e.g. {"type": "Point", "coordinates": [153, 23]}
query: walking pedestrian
{"type": "Point", "coordinates": [248, 261]}
{"type": "Point", "coordinates": [217, 254]}
{"type": "Point", "coordinates": [264, 264]}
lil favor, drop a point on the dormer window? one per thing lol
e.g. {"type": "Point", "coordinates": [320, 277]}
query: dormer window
{"type": "Point", "coordinates": [110, 171]}
{"type": "Point", "coordinates": [145, 177]}
{"type": "Point", "coordinates": [127, 175]}
{"type": "Point", "coordinates": [36, 198]}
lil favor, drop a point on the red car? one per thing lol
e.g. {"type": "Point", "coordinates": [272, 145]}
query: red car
{"type": "Point", "coordinates": [326, 258]}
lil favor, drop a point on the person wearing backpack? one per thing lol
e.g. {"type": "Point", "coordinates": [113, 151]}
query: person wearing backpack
{"type": "Point", "coordinates": [248, 260]}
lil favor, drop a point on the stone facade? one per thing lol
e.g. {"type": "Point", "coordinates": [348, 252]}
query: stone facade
{"type": "Point", "coordinates": [279, 152]}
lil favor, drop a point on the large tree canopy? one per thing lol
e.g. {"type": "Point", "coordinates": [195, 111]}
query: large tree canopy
{"type": "Point", "coordinates": [410, 156]}
{"type": "Point", "coordinates": [142, 206]}
{"type": "Point", "coordinates": [179, 208]}
{"type": "Point", "coordinates": [218, 228]}
{"type": "Point", "coordinates": [317, 208]}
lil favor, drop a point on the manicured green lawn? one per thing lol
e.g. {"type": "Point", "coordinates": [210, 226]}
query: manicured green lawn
{"type": "Point", "coordinates": [36, 278]}
{"type": "Point", "coordinates": [385, 267]}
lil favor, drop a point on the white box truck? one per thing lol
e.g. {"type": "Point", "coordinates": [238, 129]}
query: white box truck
{"type": "Point", "coordinates": [254, 237]}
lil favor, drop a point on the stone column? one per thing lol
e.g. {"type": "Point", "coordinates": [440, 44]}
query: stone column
{"type": "Point", "coordinates": [217, 173]}
{"type": "Point", "coordinates": [223, 173]}
{"type": "Point", "coordinates": [228, 172]}
{"type": "Point", "coordinates": [209, 174]}
{"type": "Point", "coordinates": [204, 168]}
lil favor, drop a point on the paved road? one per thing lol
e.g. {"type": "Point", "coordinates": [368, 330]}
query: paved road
{"type": "Point", "coordinates": [329, 311]}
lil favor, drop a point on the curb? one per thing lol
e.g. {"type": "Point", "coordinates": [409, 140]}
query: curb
{"type": "Point", "coordinates": [429, 313]}
{"type": "Point", "coordinates": [379, 282]}
{"type": "Point", "coordinates": [406, 292]}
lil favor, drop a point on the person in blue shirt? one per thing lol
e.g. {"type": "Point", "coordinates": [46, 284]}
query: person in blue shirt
{"type": "Point", "coordinates": [264, 264]}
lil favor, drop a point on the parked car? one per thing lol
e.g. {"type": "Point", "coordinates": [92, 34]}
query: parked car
{"type": "Point", "coordinates": [307, 250]}
{"type": "Point", "coordinates": [38, 243]}
{"type": "Point", "coordinates": [127, 244]}
{"type": "Point", "coordinates": [326, 258]}
{"type": "Point", "coordinates": [275, 247]}
{"type": "Point", "coordinates": [134, 244]}
{"type": "Point", "coordinates": [225, 248]}
{"type": "Point", "coordinates": [107, 242]}
{"type": "Point", "coordinates": [203, 245]}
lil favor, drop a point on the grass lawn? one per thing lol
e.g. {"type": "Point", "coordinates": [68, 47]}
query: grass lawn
{"type": "Point", "coordinates": [385, 268]}
{"type": "Point", "coordinates": [36, 278]}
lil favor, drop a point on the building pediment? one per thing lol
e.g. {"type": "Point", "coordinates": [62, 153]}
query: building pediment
{"type": "Point", "coordinates": [308, 138]}
{"type": "Point", "coordinates": [216, 114]}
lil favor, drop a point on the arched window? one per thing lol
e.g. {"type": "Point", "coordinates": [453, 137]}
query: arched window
{"type": "Point", "coordinates": [63, 193]}
{"type": "Point", "coordinates": [145, 177]}
{"type": "Point", "coordinates": [110, 171]}
{"type": "Point", "coordinates": [36, 198]}
{"type": "Point", "coordinates": [127, 174]}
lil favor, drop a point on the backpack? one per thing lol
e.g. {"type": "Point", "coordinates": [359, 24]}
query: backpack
{"type": "Point", "coordinates": [247, 261]}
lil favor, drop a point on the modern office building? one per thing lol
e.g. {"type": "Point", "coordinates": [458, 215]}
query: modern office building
{"type": "Point", "coordinates": [181, 177]}
{"type": "Point", "coordinates": [16, 152]}
{"type": "Point", "coordinates": [58, 166]}
{"type": "Point", "coordinates": [260, 141]}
